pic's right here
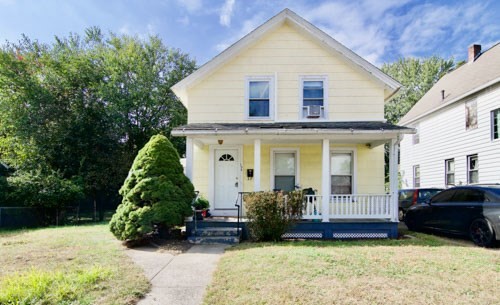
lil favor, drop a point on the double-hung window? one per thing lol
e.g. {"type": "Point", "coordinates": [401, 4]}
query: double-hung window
{"type": "Point", "coordinates": [472, 169]}
{"type": "Point", "coordinates": [449, 167]}
{"type": "Point", "coordinates": [495, 124]}
{"type": "Point", "coordinates": [416, 176]}
{"type": "Point", "coordinates": [342, 168]}
{"type": "Point", "coordinates": [313, 97]}
{"type": "Point", "coordinates": [259, 97]}
{"type": "Point", "coordinates": [284, 169]}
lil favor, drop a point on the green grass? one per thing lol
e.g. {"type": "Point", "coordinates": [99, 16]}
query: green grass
{"type": "Point", "coordinates": [67, 265]}
{"type": "Point", "coordinates": [423, 270]}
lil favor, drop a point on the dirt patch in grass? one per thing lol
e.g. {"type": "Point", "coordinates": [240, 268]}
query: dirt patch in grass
{"type": "Point", "coordinates": [65, 260]}
{"type": "Point", "coordinates": [421, 270]}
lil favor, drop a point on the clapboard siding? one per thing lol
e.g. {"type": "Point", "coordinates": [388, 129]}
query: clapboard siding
{"type": "Point", "coordinates": [286, 55]}
{"type": "Point", "coordinates": [443, 136]}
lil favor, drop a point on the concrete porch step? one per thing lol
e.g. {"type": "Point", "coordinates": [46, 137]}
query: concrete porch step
{"type": "Point", "coordinates": [227, 240]}
{"type": "Point", "coordinates": [217, 231]}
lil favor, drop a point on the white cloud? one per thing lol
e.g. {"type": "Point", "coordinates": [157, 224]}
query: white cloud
{"type": "Point", "coordinates": [191, 5]}
{"type": "Point", "coordinates": [184, 20]}
{"type": "Point", "coordinates": [226, 13]}
{"type": "Point", "coordinates": [248, 26]}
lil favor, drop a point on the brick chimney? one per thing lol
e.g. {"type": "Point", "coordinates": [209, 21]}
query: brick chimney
{"type": "Point", "coordinates": [474, 51]}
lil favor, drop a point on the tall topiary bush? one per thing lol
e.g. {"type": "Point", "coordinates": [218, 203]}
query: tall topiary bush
{"type": "Point", "coordinates": [156, 191]}
{"type": "Point", "coordinates": [270, 214]}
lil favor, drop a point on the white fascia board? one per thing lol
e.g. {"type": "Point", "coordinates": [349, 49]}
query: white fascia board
{"type": "Point", "coordinates": [452, 101]}
{"type": "Point", "coordinates": [182, 133]}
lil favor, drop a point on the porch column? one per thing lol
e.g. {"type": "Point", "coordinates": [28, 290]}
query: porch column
{"type": "Point", "coordinates": [256, 165]}
{"type": "Point", "coordinates": [325, 181]}
{"type": "Point", "coordinates": [188, 170]}
{"type": "Point", "coordinates": [393, 178]}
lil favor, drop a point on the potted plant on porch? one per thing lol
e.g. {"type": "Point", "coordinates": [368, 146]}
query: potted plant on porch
{"type": "Point", "coordinates": [201, 207]}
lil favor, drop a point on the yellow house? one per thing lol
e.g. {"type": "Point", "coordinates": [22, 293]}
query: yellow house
{"type": "Point", "coordinates": [287, 107]}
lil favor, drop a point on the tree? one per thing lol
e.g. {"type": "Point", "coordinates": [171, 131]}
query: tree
{"type": "Point", "coordinates": [156, 191]}
{"type": "Point", "coordinates": [83, 107]}
{"type": "Point", "coordinates": [417, 76]}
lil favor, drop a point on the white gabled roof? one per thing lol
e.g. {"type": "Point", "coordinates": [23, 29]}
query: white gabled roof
{"type": "Point", "coordinates": [390, 85]}
{"type": "Point", "coordinates": [458, 84]}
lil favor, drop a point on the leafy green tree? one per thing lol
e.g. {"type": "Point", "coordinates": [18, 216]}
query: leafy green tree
{"type": "Point", "coordinates": [156, 191]}
{"type": "Point", "coordinates": [417, 76]}
{"type": "Point", "coordinates": [83, 107]}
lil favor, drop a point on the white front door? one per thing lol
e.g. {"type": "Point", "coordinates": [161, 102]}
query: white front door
{"type": "Point", "coordinates": [226, 179]}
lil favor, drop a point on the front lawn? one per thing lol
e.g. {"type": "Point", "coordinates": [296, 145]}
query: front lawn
{"type": "Point", "coordinates": [67, 265]}
{"type": "Point", "coordinates": [423, 270]}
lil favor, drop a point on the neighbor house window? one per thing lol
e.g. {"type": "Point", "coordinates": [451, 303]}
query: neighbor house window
{"type": "Point", "coordinates": [341, 164]}
{"type": "Point", "coordinates": [495, 124]}
{"type": "Point", "coordinates": [470, 115]}
{"type": "Point", "coordinates": [416, 136]}
{"type": "Point", "coordinates": [449, 167]}
{"type": "Point", "coordinates": [285, 170]}
{"type": "Point", "coordinates": [416, 176]}
{"type": "Point", "coordinates": [472, 169]}
{"type": "Point", "coordinates": [313, 97]}
{"type": "Point", "coordinates": [259, 97]}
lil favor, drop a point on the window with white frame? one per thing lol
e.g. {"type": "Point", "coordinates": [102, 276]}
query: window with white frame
{"type": "Point", "coordinates": [259, 97]}
{"type": "Point", "coordinates": [472, 169]}
{"type": "Point", "coordinates": [449, 167]}
{"type": "Point", "coordinates": [285, 170]}
{"type": "Point", "coordinates": [470, 115]}
{"type": "Point", "coordinates": [416, 176]}
{"type": "Point", "coordinates": [495, 124]}
{"type": "Point", "coordinates": [342, 168]}
{"type": "Point", "coordinates": [313, 96]}
{"type": "Point", "coordinates": [416, 136]}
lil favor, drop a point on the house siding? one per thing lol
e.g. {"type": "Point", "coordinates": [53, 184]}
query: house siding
{"type": "Point", "coordinates": [443, 136]}
{"type": "Point", "coordinates": [286, 55]}
{"type": "Point", "coordinates": [369, 176]}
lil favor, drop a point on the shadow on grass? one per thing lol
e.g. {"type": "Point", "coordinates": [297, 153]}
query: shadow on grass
{"type": "Point", "coordinates": [406, 238]}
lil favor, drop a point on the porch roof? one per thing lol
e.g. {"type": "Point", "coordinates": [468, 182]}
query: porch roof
{"type": "Point", "coordinates": [291, 128]}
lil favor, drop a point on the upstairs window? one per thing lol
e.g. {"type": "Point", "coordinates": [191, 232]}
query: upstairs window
{"type": "Point", "coordinates": [313, 97]}
{"type": "Point", "coordinates": [259, 101]}
{"type": "Point", "coordinates": [495, 124]}
{"type": "Point", "coordinates": [470, 115]}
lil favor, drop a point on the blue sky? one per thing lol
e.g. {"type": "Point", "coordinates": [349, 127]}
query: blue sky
{"type": "Point", "coordinates": [379, 30]}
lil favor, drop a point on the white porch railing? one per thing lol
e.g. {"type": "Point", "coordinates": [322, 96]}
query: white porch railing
{"type": "Point", "coordinates": [352, 206]}
{"type": "Point", "coordinates": [312, 207]}
{"type": "Point", "coordinates": [360, 206]}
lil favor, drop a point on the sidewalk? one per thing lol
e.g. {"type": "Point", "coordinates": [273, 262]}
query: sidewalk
{"type": "Point", "coordinates": [180, 279]}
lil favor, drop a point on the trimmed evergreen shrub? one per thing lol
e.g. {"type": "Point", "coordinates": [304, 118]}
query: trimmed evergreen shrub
{"type": "Point", "coordinates": [270, 214]}
{"type": "Point", "coordinates": [156, 192]}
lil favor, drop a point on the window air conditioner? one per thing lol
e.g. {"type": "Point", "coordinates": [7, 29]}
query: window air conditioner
{"type": "Point", "coordinates": [313, 111]}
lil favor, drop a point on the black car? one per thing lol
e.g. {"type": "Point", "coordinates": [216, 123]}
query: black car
{"type": "Point", "coordinates": [409, 197]}
{"type": "Point", "coordinates": [467, 210]}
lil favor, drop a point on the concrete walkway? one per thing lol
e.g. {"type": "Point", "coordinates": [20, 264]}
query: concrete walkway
{"type": "Point", "coordinates": [180, 279]}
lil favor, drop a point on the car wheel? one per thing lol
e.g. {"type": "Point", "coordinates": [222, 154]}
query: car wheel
{"type": "Point", "coordinates": [401, 215]}
{"type": "Point", "coordinates": [482, 233]}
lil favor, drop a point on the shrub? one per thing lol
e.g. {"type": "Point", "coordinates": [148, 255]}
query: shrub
{"type": "Point", "coordinates": [42, 189]}
{"type": "Point", "coordinates": [3, 190]}
{"type": "Point", "coordinates": [270, 214]}
{"type": "Point", "coordinates": [156, 192]}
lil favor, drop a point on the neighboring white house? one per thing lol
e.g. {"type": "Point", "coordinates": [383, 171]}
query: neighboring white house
{"type": "Point", "coordinates": [458, 122]}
